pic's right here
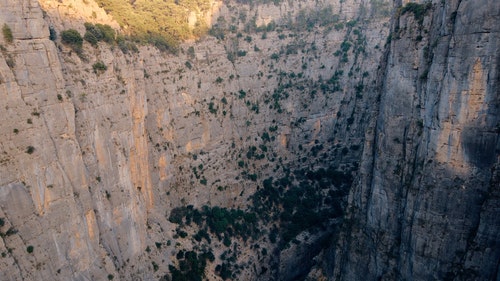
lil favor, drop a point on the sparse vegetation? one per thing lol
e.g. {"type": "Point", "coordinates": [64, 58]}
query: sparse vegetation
{"type": "Point", "coordinates": [7, 34]}
{"type": "Point", "coordinates": [99, 67]}
{"type": "Point", "coordinates": [418, 10]}
{"type": "Point", "coordinates": [73, 39]}
{"type": "Point", "coordinates": [30, 149]}
{"type": "Point", "coordinates": [99, 32]}
{"type": "Point", "coordinates": [52, 33]}
{"type": "Point", "coordinates": [126, 45]}
{"type": "Point", "coordinates": [307, 19]}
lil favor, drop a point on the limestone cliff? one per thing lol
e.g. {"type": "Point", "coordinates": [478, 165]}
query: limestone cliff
{"type": "Point", "coordinates": [427, 204]}
{"type": "Point", "coordinates": [316, 145]}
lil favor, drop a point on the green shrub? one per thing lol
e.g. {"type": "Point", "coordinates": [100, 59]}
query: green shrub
{"type": "Point", "coordinates": [155, 266]}
{"type": "Point", "coordinates": [99, 32]}
{"type": "Point", "coordinates": [191, 53]}
{"type": "Point", "coordinates": [30, 249]}
{"type": "Point", "coordinates": [108, 33]}
{"type": "Point", "coordinates": [99, 67]}
{"type": "Point", "coordinates": [30, 149]}
{"type": "Point", "coordinates": [203, 181]}
{"type": "Point", "coordinates": [212, 108]}
{"type": "Point", "coordinates": [126, 45]}
{"type": "Point", "coordinates": [164, 43]}
{"type": "Point", "coordinates": [191, 266]}
{"type": "Point", "coordinates": [91, 38]}
{"type": "Point", "coordinates": [52, 34]}
{"type": "Point", "coordinates": [242, 94]}
{"type": "Point", "coordinates": [418, 10]}
{"type": "Point", "coordinates": [73, 39]}
{"type": "Point", "coordinates": [7, 33]}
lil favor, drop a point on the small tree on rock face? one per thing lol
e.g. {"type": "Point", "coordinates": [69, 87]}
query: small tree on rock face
{"type": "Point", "coordinates": [7, 33]}
{"type": "Point", "coordinates": [99, 32]}
{"type": "Point", "coordinates": [99, 67]}
{"type": "Point", "coordinates": [72, 38]}
{"type": "Point", "coordinates": [52, 34]}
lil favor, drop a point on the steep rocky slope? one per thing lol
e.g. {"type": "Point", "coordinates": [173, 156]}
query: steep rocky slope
{"type": "Point", "coordinates": [245, 150]}
{"type": "Point", "coordinates": [427, 204]}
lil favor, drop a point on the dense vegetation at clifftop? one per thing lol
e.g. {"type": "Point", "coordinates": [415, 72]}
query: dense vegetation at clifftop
{"type": "Point", "coordinates": [158, 20]}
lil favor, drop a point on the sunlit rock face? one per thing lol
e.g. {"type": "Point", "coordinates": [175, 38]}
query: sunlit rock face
{"type": "Point", "coordinates": [331, 140]}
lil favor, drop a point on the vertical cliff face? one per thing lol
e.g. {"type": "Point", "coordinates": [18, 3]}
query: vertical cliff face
{"type": "Point", "coordinates": [427, 203]}
{"type": "Point", "coordinates": [40, 156]}
{"type": "Point", "coordinates": [305, 138]}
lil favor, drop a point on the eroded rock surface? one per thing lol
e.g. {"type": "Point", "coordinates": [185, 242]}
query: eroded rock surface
{"type": "Point", "coordinates": [397, 138]}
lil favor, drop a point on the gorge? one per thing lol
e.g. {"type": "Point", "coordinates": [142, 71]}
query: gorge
{"type": "Point", "coordinates": [295, 140]}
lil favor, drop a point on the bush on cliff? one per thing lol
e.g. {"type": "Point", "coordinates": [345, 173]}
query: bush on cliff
{"type": "Point", "coordinates": [73, 39]}
{"type": "Point", "coordinates": [7, 33]}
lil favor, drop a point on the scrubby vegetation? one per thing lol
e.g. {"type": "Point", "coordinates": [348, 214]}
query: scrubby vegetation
{"type": "Point", "coordinates": [30, 249]}
{"type": "Point", "coordinates": [306, 20]}
{"type": "Point", "coordinates": [221, 222]}
{"type": "Point", "coordinates": [7, 33]}
{"type": "Point", "coordinates": [30, 149]}
{"type": "Point", "coordinates": [99, 32]}
{"type": "Point", "coordinates": [191, 266]}
{"type": "Point", "coordinates": [302, 200]}
{"type": "Point", "coordinates": [281, 209]}
{"type": "Point", "coordinates": [99, 67]}
{"type": "Point", "coordinates": [418, 10]}
{"type": "Point", "coordinates": [162, 23]}
{"type": "Point", "coordinates": [73, 39]}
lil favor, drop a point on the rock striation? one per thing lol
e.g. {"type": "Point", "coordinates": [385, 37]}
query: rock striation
{"type": "Point", "coordinates": [425, 206]}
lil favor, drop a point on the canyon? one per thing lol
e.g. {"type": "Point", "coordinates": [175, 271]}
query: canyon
{"type": "Point", "coordinates": [298, 140]}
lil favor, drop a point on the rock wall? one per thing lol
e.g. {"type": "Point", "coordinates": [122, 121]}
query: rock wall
{"type": "Point", "coordinates": [428, 194]}
{"type": "Point", "coordinates": [46, 208]}
{"type": "Point", "coordinates": [93, 162]}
